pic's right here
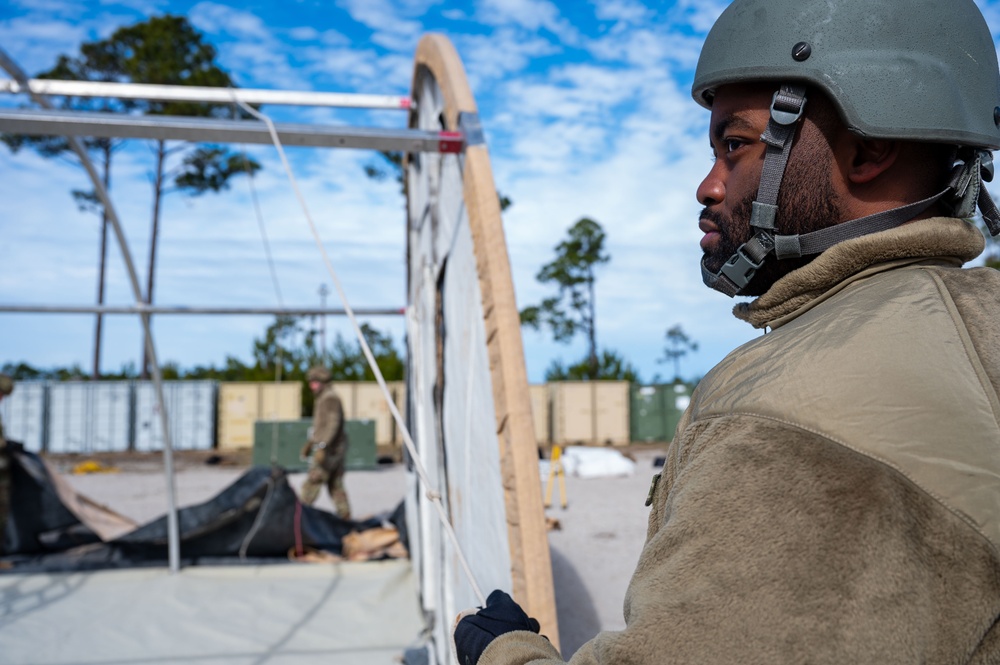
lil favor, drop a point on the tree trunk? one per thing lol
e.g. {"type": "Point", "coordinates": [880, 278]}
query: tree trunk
{"type": "Point", "coordinates": [161, 155]}
{"type": "Point", "coordinates": [100, 270]}
{"type": "Point", "coordinates": [592, 331]}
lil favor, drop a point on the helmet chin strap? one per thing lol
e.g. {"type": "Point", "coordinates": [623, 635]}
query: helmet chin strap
{"type": "Point", "coordinates": [965, 192]}
{"type": "Point", "coordinates": [787, 106]}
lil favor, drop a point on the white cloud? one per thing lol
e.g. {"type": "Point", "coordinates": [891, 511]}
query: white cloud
{"type": "Point", "coordinates": [532, 15]}
{"type": "Point", "coordinates": [219, 19]}
{"type": "Point", "coordinates": [392, 29]}
{"type": "Point", "coordinates": [648, 48]}
{"type": "Point", "coordinates": [58, 7]}
{"type": "Point", "coordinates": [488, 58]}
{"type": "Point", "coordinates": [253, 51]}
{"type": "Point", "coordinates": [698, 14]}
{"type": "Point", "coordinates": [626, 11]}
{"type": "Point", "coordinates": [304, 33]}
{"type": "Point", "coordinates": [360, 69]}
{"type": "Point", "coordinates": [34, 44]}
{"type": "Point", "coordinates": [144, 7]}
{"type": "Point", "coordinates": [991, 12]}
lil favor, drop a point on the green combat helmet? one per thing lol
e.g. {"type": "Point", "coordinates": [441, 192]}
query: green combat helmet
{"type": "Point", "coordinates": [919, 70]}
{"type": "Point", "coordinates": [318, 373]}
{"type": "Point", "coordinates": [6, 385]}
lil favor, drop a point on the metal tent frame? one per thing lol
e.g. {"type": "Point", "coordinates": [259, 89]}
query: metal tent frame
{"type": "Point", "coordinates": [50, 122]}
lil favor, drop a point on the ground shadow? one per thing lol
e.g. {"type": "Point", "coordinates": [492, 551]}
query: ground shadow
{"type": "Point", "coordinates": [578, 620]}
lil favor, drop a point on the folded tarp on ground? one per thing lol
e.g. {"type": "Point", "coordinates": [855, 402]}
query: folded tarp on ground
{"type": "Point", "coordinates": [258, 519]}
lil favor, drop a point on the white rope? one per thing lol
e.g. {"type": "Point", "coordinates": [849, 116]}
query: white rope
{"type": "Point", "coordinates": [277, 290]}
{"type": "Point", "coordinates": [432, 494]}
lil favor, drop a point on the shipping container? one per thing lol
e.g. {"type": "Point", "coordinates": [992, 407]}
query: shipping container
{"type": "Point", "coordinates": [590, 412]}
{"type": "Point", "coordinates": [541, 411]}
{"type": "Point", "coordinates": [191, 411]}
{"type": "Point", "coordinates": [89, 417]}
{"type": "Point", "coordinates": [23, 414]}
{"type": "Point", "coordinates": [656, 410]}
{"type": "Point", "coordinates": [280, 401]}
{"type": "Point", "coordinates": [611, 408]}
{"type": "Point", "coordinates": [280, 443]}
{"type": "Point", "coordinates": [241, 404]}
{"type": "Point", "coordinates": [348, 396]}
{"type": "Point", "coordinates": [363, 400]}
{"type": "Point", "coordinates": [572, 412]}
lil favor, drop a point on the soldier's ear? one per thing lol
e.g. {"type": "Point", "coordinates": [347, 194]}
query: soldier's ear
{"type": "Point", "coordinates": [870, 158]}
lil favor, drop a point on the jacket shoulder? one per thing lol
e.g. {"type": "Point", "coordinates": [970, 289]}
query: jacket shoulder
{"type": "Point", "coordinates": [887, 367]}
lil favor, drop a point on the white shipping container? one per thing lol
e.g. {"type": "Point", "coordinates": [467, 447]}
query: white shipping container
{"type": "Point", "coordinates": [87, 417]}
{"type": "Point", "coordinates": [190, 411]}
{"type": "Point", "coordinates": [23, 414]}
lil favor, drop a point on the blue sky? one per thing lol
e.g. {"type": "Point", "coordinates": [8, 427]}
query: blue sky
{"type": "Point", "coordinates": [586, 110]}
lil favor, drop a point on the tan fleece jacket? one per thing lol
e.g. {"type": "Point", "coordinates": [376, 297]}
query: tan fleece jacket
{"type": "Point", "coordinates": [832, 494]}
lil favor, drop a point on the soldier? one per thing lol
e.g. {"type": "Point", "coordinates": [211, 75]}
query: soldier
{"type": "Point", "coordinates": [328, 444]}
{"type": "Point", "coordinates": [6, 388]}
{"type": "Point", "coordinates": [831, 493]}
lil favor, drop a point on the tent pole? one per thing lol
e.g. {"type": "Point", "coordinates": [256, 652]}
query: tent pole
{"type": "Point", "coordinates": [173, 536]}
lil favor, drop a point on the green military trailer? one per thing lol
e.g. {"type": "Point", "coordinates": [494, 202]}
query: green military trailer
{"type": "Point", "coordinates": [280, 442]}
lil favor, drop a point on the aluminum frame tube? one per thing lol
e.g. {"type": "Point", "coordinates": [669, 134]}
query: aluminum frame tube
{"type": "Point", "coordinates": [173, 531]}
{"type": "Point", "coordinates": [208, 130]}
{"type": "Point", "coordinates": [208, 95]}
{"type": "Point", "coordinates": [210, 311]}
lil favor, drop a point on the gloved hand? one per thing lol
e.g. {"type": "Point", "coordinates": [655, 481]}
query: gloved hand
{"type": "Point", "coordinates": [474, 631]}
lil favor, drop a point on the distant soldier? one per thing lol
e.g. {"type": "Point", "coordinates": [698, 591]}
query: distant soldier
{"type": "Point", "coordinates": [328, 444]}
{"type": "Point", "coordinates": [6, 388]}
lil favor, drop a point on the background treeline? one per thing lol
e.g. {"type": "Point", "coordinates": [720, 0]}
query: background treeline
{"type": "Point", "coordinates": [286, 351]}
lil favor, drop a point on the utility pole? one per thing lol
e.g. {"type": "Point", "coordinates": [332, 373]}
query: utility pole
{"type": "Point", "coordinates": [323, 291]}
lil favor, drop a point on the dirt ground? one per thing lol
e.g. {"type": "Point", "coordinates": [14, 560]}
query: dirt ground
{"type": "Point", "coordinates": [594, 550]}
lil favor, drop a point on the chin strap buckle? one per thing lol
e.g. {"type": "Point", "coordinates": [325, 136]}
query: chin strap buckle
{"type": "Point", "coordinates": [741, 266]}
{"type": "Point", "coordinates": [968, 191]}
{"type": "Point", "coordinates": [787, 107]}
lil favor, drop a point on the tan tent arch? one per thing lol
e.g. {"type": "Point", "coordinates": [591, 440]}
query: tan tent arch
{"type": "Point", "coordinates": [469, 402]}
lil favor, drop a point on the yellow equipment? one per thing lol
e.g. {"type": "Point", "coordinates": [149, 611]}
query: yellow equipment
{"type": "Point", "coordinates": [556, 469]}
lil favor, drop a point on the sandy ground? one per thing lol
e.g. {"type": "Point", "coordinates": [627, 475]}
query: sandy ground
{"type": "Point", "coordinates": [594, 550]}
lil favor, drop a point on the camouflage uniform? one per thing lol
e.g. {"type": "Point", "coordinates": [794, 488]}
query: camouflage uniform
{"type": "Point", "coordinates": [6, 388]}
{"type": "Point", "coordinates": [328, 445]}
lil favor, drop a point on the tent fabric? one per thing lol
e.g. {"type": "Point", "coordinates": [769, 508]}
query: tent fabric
{"type": "Point", "coordinates": [258, 518]}
{"type": "Point", "coordinates": [290, 614]}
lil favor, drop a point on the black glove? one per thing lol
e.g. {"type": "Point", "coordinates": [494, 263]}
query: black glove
{"type": "Point", "coordinates": [474, 632]}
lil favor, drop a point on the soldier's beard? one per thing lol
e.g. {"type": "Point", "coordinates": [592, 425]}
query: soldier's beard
{"type": "Point", "coordinates": [806, 202]}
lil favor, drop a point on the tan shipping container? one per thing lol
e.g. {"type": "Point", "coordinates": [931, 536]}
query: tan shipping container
{"type": "Point", "coordinates": [243, 403]}
{"type": "Point", "coordinates": [363, 400]}
{"type": "Point", "coordinates": [541, 413]}
{"type": "Point", "coordinates": [611, 413]}
{"type": "Point", "coordinates": [590, 413]}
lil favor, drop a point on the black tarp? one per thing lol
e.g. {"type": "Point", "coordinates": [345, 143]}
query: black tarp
{"type": "Point", "coordinates": [257, 519]}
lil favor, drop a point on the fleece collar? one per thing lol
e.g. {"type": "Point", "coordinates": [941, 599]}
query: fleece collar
{"type": "Point", "coordinates": [943, 239]}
